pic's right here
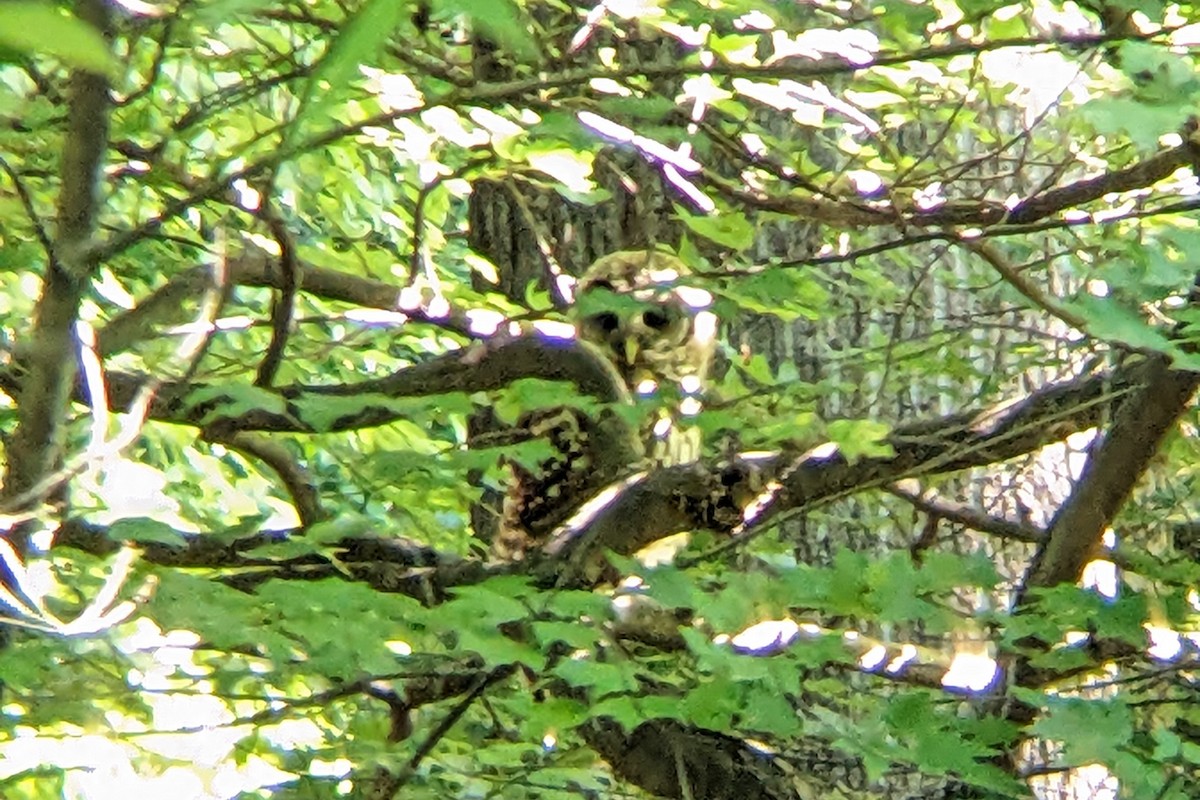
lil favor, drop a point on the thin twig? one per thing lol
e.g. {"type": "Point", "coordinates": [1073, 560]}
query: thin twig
{"type": "Point", "coordinates": [284, 304]}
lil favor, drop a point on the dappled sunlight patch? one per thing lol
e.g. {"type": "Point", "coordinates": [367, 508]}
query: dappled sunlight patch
{"type": "Point", "coordinates": [661, 552]}
{"type": "Point", "coordinates": [399, 647]}
{"type": "Point", "coordinates": [555, 329]}
{"type": "Point", "coordinates": [766, 637]}
{"type": "Point", "coordinates": [485, 321]}
{"type": "Point", "coordinates": [294, 734]}
{"type": "Point", "coordinates": [569, 167]}
{"type": "Point", "coordinates": [395, 91]}
{"type": "Point", "coordinates": [857, 46]}
{"type": "Point", "coordinates": [376, 316]}
{"type": "Point", "coordinates": [1166, 644]}
{"type": "Point", "coordinates": [975, 672]}
{"type": "Point", "coordinates": [874, 656]}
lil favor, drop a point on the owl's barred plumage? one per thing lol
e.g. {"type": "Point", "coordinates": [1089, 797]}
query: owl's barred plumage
{"type": "Point", "coordinates": [632, 307]}
{"type": "Point", "coordinates": [659, 337]}
{"type": "Point", "coordinates": [664, 321]}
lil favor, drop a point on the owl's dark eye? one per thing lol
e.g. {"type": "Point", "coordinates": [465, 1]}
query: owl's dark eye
{"type": "Point", "coordinates": [655, 320]}
{"type": "Point", "coordinates": [605, 322]}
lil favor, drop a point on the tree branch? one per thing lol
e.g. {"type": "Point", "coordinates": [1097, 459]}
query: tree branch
{"type": "Point", "coordinates": [306, 498]}
{"type": "Point", "coordinates": [50, 353]}
{"type": "Point", "coordinates": [254, 267]}
{"type": "Point", "coordinates": [284, 304]}
{"type": "Point", "coordinates": [982, 214]}
{"type": "Point", "coordinates": [1142, 421]}
{"type": "Point", "coordinates": [482, 367]}
{"type": "Point", "coordinates": [704, 495]}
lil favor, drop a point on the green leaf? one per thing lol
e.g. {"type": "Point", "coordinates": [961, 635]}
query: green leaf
{"type": "Point", "coordinates": [1142, 123]}
{"type": "Point", "coordinates": [673, 588]}
{"type": "Point", "coordinates": [44, 29]}
{"type": "Point", "coordinates": [602, 678]}
{"type": "Point", "coordinates": [1111, 320]}
{"type": "Point", "coordinates": [500, 20]}
{"type": "Point", "coordinates": [488, 604]}
{"type": "Point", "coordinates": [357, 42]}
{"type": "Point", "coordinates": [574, 634]}
{"type": "Point", "coordinates": [1158, 76]}
{"type": "Point", "coordinates": [729, 230]}
{"type": "Point", "coordinates": [553, 714]}
{"type": "Point", "coordinates": [785, 293]}
{"type": "Point", "coordinates": [495, 647]}
{"type": "Point", "coordinates": [894, 590]}
{"type": "Point", "coordinates": [223, 616]}
{"type": "Point", "coordinates": [332, 531]}
{"type": "Point", "coordinates": [848, 583]}
{"type": "Point", "coordinates": [713, 703]}
{"type": "Point", "coordinates": [231, 400]}
{"type": "Point", "coordinates": [1167, 744]}
{"type": "Point", "coordinates": [629, 711]}
{"type": "Point", "coordinates": [146, 531]}
{"type": "Point", "coordinates": [864, 438]}
{"type": "Point", "coordinates": [1090, 730]}
{"type": "Point", "coordinates": [321, 413]}
{"type": "Point", "coordinates": [943, 571]}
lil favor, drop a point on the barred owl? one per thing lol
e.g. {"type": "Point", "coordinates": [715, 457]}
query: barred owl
{"type": "Point", "coordinates": [660, 338]}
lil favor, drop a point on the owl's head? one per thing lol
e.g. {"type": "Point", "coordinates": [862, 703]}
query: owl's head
{"type": "Point", "coordinates": [632, 306]}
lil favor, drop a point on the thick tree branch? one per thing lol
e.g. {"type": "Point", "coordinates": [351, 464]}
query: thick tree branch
{"type": "Point", "coordinates": [707, 494]}
{"type": "Point", "coordinates": [702, 495]}
{"type": "Point", "coordinates": [167, 305]}
{"type": "Point", "coordinates": [49, 353]}
{"type": "Point", "coordinates": [1142, 421]}
{"type": "Point", "coordinates": [984, 214]}
{"type": "Point", "coordinates": [481, 367]}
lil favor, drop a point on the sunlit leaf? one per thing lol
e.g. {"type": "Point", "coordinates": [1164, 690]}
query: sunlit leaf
{"type": "Point", "coordinates": [358, 42]}
{"type": "Point", "coordinates": [145, 531]}
{"type": "Point", "coordinates": [730, 230]}
{"type": "Point", "coordinates": [860, 438]}
{"type": "Point", "coordinates": [33, 28]}
{"type": "Point", "coordinates": [786, 293]}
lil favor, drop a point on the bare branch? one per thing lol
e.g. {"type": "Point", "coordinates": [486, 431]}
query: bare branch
{"type": "Point", "coordinates": [976, 520]}
{"type": "Point", "coordinates": [296, 479]}
{"type": "Point", "coordinates": [1027, 288]}
{"type": "Point", "coordinates": [982, 214]}
{"type": "Point", "coordinates": [285, 298]}
{"type": "Point", "coordinates": [39, 228]}
{"type": "Point", "coordinates": [167, 305]}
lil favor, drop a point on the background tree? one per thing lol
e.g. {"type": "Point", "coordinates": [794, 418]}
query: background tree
{"type": "Point", "coordinates": [284, 280]}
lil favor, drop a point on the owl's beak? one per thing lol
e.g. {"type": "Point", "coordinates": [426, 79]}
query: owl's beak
{"type": "Point", "coordinates": [631, 350]}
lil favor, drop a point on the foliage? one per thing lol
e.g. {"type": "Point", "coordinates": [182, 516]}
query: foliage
{"type": "Point", "coordinates": [284, 282]}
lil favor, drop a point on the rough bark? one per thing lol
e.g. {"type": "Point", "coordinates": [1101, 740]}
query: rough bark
{"type": "Point", "coordinates": [1141, 423]}
{"type": "Point", "coordinates": [49, 360]}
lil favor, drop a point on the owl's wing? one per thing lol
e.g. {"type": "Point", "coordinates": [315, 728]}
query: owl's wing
{"type": "Point", "coordinates": [587, 454]}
